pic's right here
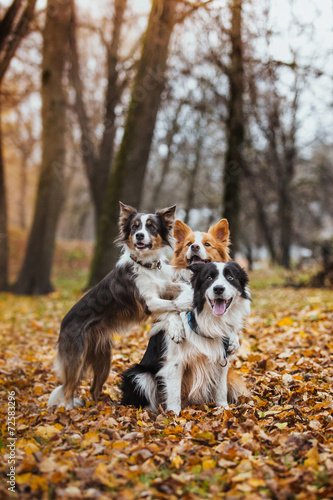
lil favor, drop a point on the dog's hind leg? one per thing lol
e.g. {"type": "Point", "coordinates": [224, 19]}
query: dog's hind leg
{"type": "Point", "coordinates": [73, 373]}
{"type": "Point", "coordinates": [101, 364]}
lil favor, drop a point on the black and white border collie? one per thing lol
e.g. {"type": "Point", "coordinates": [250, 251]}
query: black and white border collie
{"type": "Point", "coordinates": [195, 371]}
{"type": "Point", "coordinates": [139, 285]}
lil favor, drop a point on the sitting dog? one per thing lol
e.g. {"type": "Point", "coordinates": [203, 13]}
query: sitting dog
{"type": "Point", "coordinates": [139, 285]}
{"type": "Point", "coordinates": [194, 371]}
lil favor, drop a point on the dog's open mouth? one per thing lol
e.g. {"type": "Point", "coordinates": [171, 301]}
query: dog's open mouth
{"type": "Point", "coordinates": [196, 258]}
{"type": "Point", "coordinates": [219, 306]}
{"type": "Point", "coordinates": [142, 246]}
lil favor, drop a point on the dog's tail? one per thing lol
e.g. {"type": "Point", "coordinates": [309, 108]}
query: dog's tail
{"type": "Point", "coordinates": [139, 388]}
{"type": "Point", "coordinates": [236, 387]}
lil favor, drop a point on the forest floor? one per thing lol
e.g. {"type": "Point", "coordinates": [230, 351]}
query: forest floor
{"type": "Point", "coordinates": [277, 444]}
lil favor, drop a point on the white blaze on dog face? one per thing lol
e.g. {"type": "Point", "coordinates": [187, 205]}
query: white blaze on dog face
{"type": "Point", "coordinates": [221, 292]}
{"type": "Point", "coordinates": [196, 250]}
{"type": "Point", "coordinates": [144, 232]}
{"type": "Point", "coordinates": [218, 284]}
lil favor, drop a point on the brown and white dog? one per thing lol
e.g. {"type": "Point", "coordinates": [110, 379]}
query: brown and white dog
{"type": "Point", "coordinates": [140, 285]}
{"type": "Point", "coordinates": [193, 247]}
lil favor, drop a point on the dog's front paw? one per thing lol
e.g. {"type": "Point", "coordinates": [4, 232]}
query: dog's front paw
{"type": "Point", "coordinates": [184, 304]}
{"type": "Point", "coordinates": [222, 404]}
{"type": "Point", "coordinates": [175, 329]}
{"type": "Point", "coordinates": [233, 346]}
{"type": "Point", "coordinates": [177, 335]}
{"type": "Point", "coordinates": [175, 408]}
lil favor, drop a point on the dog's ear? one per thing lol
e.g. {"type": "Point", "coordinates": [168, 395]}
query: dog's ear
{"type": "Point", "coordinates": [126, 212]}
{"type": "Point", "coordinates": [220, 231]}
{"type": "Point", "coordinates": [167, 215]}
{"type": "Point", "coordinates": [180, 230]}
{"type": "Point", "coordinates": [196, 267]}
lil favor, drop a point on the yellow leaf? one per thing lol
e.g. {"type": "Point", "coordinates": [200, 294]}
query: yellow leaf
{"type": "Point", "coordinates": [89, 438]}
{"type": "Point", "coordinates": [286, 321]}
{"type": "Point", "coordinates": [257, 483]}
{"type": "Point", "coordinates": [313, 458]}
{"type": "Point", "coordinates": [48, 431]}
{"type": "Point", "coordinates": [57, 477]}
{"type": "Point", "coordinates": [208, 464]}
{"type": "Point", "coordinates": [31, 448]}
{"type": "Point", "coordinates": [176, 461]}
{"type": "Point", "coordinates": [38, 389]}
{"type": "Point", "coordinates": [282, 425]}
{"type": "Point", "coordinates": [23, 478]}
{"type": "Point", "coordinates": [119, 445]}
{"type": "Point", "coordinates": [102, 475]}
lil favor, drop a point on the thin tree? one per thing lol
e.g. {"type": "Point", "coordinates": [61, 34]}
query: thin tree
{"type": "Point", "coordinates": [234, 126]}
{"type": "Point", "coordinates": [34, 277]}
{"type": "Point", "coordinates": [13, 27]}
{"type": "Point", "coordinates": [98, 161]}
{"type": "Point", "coordinates": [3, 224]}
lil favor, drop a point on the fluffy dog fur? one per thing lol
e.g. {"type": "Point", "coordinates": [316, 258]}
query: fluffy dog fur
{"type": "Point", "coordinates": [139, 285]}
{"type": "Point", "coordinates": [195, 246]}
{"type": "Point", "coordinates": [192, 247]}
{"type": "Point", "coordinates": [195, 371]}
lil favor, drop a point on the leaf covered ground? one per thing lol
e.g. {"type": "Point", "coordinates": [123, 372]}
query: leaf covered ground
{"type": "Point", "coordinates": [277, 444]}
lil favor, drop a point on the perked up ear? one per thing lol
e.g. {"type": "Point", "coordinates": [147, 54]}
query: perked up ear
{"type": "Point", "coordinates": [180, 230]}
{"type": "Point", "coordinates": [195, 268]}
{"type": "Point", "coordinates": [126, 211]}
{"type": "Point", "coordinates": [220, 231]}
{"type": "Point", "coordinates": [167, 215]}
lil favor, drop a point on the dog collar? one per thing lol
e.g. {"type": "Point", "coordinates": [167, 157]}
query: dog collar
{"type": "Point", "coordinates": [192, 323]}
{"type": "Point", "coordinates": [147, 265]}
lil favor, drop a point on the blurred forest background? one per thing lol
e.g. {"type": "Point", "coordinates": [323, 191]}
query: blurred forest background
{"type": "Point", "coordinates": [221, 106]}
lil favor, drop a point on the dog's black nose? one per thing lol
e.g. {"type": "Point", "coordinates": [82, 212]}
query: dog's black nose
{"type": "Point", "coordinates": [218, 290]}
{"type": "Point", "coordinates": [139, 236]}
{"type": "Point", "coordinates": [195, 248]}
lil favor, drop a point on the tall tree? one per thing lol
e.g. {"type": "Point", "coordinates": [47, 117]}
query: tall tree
{"type": "Point", "coordinates": [126, 181]}
{"type": "Point", "coordinates": [3, 224]}
{"type": "Point", "coordinates": [98, 161]}
{"type": "Point", "coordinates": [34, 277]}
{"type": "Point", "coordinates": [234, 126]}
{"type": "Point", "coordinates": [13, 27]}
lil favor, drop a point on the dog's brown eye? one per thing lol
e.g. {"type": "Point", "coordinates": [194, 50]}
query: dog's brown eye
{"type": "Point", "coordinates": [209, 278]}
{"type": "Point", "coordinates": [230, 278]}
{"type": "Point", "coordinates": [189, 243]}
{"type": "Point", "coordinates": [207, 244]}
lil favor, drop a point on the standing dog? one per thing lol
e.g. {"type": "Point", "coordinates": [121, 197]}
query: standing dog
{"type": "Point", "coordinates": [195, 371]}
{"type": "Point", "coordinates": [135, 288]}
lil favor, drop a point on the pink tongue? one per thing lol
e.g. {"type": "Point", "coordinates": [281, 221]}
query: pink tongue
{"type": "Point", "coordinates": [219, 307]}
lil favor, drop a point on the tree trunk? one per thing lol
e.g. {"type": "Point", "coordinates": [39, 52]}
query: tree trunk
{"type": "Point", "coordinates": [285, 219]}
{"type": "Point", "coordinates": [189, 203]}
{"type": "Point", "coordinates": [235, 128]}
{"type": "Point", "coordinates": [98, 163]}
{"type": "Point", "coordinates": [173, 130]}
{"type": "Point", "coordinates": [34, 277]}
{"type": "Point", "coordinates": [23, 191]}
{"type": "Point", "coordinates": [3, 224]}
{"type": "Point", "coordinates": [127, 178]}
